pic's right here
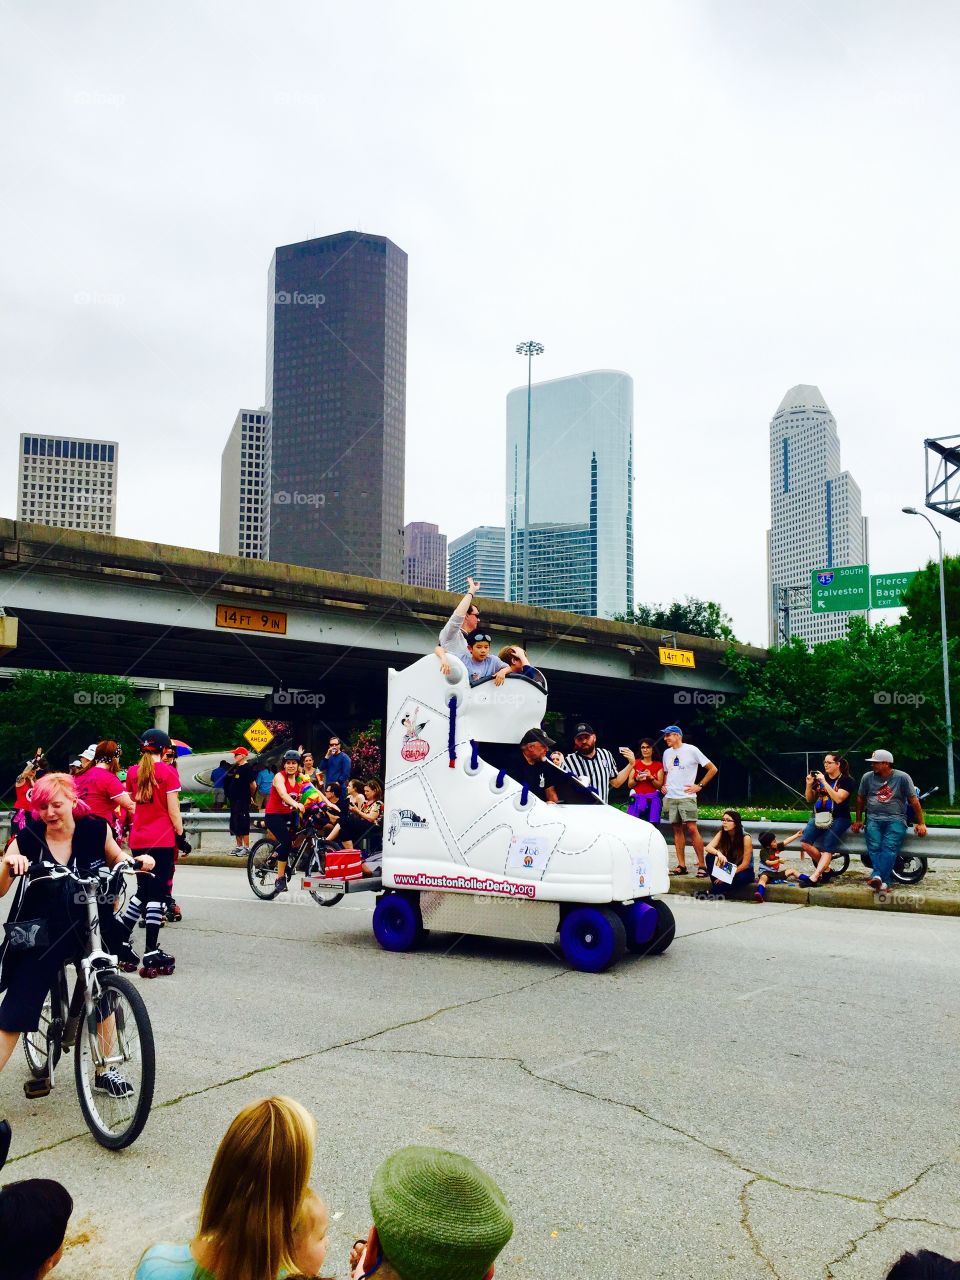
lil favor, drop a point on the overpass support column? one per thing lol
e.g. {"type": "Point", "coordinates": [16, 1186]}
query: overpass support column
{"type": "Point", "coordinates": [161, 700]}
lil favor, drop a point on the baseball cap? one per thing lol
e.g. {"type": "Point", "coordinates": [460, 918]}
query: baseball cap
{"type": "Point", "coordinates": [479, 635]}
{"type": "Point", "coordinates": [537, 735]}
{"type": "Point", "coordinates": [75, 764]}
{"type": "Point", "coordinates": [583, 727]}
{"type": "Point", "coordinates": [34, 1215]}
{"type": "Point", "coordinates": [880, 757]}
{"type": "Point", "coordinates": [154, 740]}
{"type": "Point", "coordinates": [90, 752]}
{"type": "Point", "coordinates": [240, 751]}
{"type": "Point", "coordinates": [672, 728]}
{"type": "Point", "coordinates": [438, 1216]}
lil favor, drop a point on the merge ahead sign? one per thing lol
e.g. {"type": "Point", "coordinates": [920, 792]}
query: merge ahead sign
{"type": "Point", "coordinates": [886, 589]}
{"type": "Point", "coordinates": [841, 589]}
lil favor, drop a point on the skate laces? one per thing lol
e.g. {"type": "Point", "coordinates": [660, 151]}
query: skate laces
{"type": "Point", "coordinates": [452, 733]}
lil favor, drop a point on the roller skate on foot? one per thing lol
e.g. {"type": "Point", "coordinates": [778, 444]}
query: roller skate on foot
{"type": "Point", "coordinates": [127, 958]}
{"type": "Point", "coordinates": [157, 964]}
{"type": "Point", "coordinates": [172, 911]}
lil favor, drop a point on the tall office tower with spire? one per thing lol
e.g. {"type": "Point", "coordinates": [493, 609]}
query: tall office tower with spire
{"type": "Point", "coordinates": [580, 532]}
{"type": "Point", "coordinates": [336, 397]}
{"type": "Point", "coordinates": [815, 516]}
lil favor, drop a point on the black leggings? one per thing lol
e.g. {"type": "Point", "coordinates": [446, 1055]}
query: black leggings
{"type": "Point", "coordinates": [151, 890]}
{"type": "Point", "coordinates": [281, 826]}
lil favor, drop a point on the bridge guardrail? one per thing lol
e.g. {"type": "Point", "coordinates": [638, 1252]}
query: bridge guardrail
{"type": "Point", "coordinates": [939, 842]}
{"type": "Point", "coordinates": [196, 823]}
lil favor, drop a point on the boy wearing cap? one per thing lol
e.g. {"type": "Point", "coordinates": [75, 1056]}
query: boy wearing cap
{"type": "Point", "coordinates": [239, 784]}
{"type": "Point", "coordinates": [436, 1216]}
{"type": "Point", "coordinates": [479, 661]}
{"type": "Point", "coordinates": [886, 792]}
{"type": "Point", "coordinates": [681, 761]}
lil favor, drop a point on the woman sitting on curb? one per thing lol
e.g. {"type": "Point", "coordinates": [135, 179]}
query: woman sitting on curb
{"type": "Point", "coordinates": [731, 845]}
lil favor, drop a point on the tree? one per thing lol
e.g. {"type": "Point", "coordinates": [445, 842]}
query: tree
{"type": "Point", "coordinates": [922, 599]}
{"type": "Point", "coordinates": [364, 751]}
{"type": "Point", "coordinates": [63, 712]}
{"type": "Point", "coordinates": [691, 616]}
{"type": "Point", "coordinates": [878, 687]}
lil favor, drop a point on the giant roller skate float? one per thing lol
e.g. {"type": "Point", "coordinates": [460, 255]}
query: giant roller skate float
{"type": "Point", "coordinates": [469, 849]}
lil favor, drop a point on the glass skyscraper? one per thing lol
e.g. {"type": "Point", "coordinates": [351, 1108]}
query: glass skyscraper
{"type": "Point", "coordinates": [478, 554]}
{"type": "Point", "coordinates": [581, 494]}
{"type": "Point", "coordinates": [336, 396]}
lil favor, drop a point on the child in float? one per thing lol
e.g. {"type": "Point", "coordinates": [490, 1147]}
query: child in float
{"type": "Point", "coordinates": [770, 869]}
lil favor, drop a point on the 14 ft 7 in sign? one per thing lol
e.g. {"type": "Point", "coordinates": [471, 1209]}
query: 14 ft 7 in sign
{"type": "Point", "coordinates": [840, 589]}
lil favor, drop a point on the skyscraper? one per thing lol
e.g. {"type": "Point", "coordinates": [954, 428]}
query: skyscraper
{"type": "Point", "coordinates": [241, 486]}
{"type": "Point", "coordinates": [815, 517]}
{"type": "Point", "coordinates": [478, 554]}
{"type": "Point", "coordinates": [68, 483]}
{"type": "Point", "coordinates": [581, 493]}
{"type": "Point", "coordinates": [336, 395]}
{"type": "Point", "coordinates": [424, 555]}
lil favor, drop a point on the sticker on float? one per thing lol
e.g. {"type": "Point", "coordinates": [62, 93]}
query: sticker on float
{"type": "Point", "coordinates": [529, 853]}
{"type": "Point", "coordinates": [414, 748]}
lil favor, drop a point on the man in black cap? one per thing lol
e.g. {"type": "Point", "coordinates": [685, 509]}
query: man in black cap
{"type": "Point", "coordinates": [595, 766]}
{"type": "Point", "coordinates": [529, 767]}
{"type": "Point", "coordinates": [33, 1223]}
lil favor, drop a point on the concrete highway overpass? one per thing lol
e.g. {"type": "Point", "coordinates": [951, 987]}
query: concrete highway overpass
{"type": "Point", "coordinates": [232, 636]}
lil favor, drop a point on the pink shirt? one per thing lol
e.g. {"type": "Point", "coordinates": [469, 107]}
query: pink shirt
{"type": "Point", "coordinates": [99, 788]}
{"type": "Point", "coordinates": [152, 828]}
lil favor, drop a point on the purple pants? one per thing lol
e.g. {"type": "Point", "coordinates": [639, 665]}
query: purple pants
{"type": "Point", "coordinates": [647, 806]}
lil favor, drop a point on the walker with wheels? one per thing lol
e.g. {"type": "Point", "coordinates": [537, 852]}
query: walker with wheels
{"type": "Point", "coordinates": [468, 849]}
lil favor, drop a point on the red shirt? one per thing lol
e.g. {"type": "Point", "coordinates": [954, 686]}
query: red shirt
{"type": "Point", "coordinates": [643, 786]}
{"type": "Point", "coordinates": [152, 828]}
{"type": "Point", "coordinates": [99, 788]}
{"type": "Point", "coordinates": [24, 791]}
{"type": "Point", "coordinates": [274, 803]}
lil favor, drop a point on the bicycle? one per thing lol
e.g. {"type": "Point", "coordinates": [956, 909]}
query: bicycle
{"type": "Point", "coordinates": [104, 1021]}
{"type": "Point", "coordinates": [307, 856]}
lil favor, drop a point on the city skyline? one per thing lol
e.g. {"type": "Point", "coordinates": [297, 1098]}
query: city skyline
{"type": "Point", "coordinates": [139, 317]}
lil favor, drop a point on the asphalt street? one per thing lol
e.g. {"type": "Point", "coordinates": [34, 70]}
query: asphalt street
{"type": "Point", "coordinates": [777, 1095]}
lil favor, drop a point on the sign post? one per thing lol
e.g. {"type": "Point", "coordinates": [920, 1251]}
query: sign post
{"type": "Point", "coordinates": [843, 589]}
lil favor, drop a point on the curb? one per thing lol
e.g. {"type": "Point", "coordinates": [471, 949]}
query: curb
{"type": "Point", "coordinates": [855, 897]}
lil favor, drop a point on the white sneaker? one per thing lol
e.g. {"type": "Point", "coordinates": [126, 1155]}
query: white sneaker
{"type": "Point", "coordinates": [875, 882]}
{"type": "Point", "coordinates": [239, 851]}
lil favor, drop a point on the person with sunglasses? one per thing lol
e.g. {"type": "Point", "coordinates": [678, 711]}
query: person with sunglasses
{"type": "Point", "coordinates": [336, 765]}
{"type": "Point", "coordinates": [460, 626]}
{"type": "Point", "coordinates": [681, 763]}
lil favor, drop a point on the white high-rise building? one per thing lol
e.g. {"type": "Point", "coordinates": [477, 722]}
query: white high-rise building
{"type": "Point", "coordinates": [815, 516]}
{"type": "Point", "coordinates": [68, 483]}
{"type": "Point", "coordinates": [241, 486]}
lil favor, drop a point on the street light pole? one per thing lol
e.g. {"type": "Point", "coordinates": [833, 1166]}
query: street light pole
{"type": "Point", "coordinates": [528, 349]}
{"type": "Point", "coordinates": [951, 783]}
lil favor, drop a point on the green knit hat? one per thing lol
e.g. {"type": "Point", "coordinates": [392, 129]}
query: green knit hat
{"type": "Point", "coordinates": [438, 1216]}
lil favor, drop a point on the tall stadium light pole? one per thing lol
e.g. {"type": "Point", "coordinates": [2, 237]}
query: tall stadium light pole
{"type": "Point", "coordinates": [528, 349]}
{"type": "Point", "coordinates": [951, 785]}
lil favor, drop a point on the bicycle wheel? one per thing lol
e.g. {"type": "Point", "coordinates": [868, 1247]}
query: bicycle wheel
{"type": "Point", "coordinates": [323, 896]}
{"type": "Point", "coordinates": [115, 1065]}
{"type": "Point", "coordinates": [262, 869]}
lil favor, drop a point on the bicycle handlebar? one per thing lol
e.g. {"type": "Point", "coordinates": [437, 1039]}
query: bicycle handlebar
{"type": "Point", "coordinates": [106, 874]}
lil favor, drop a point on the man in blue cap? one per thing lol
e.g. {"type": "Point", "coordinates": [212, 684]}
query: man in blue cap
{"type": "Point", "coordinates": [681, 763]}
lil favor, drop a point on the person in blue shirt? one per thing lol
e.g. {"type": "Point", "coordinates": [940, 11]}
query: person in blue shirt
{"type": "Point", "coordinates": [336, 765]}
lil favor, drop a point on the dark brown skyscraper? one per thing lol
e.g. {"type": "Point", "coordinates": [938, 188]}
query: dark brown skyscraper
{"type": "Point", "coordinates": [336, 392]}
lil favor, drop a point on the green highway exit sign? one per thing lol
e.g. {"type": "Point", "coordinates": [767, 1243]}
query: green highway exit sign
{"type": "Point", "coordinates": [840, 589]}
{"type": "Point", "coordinates": [886, 589]}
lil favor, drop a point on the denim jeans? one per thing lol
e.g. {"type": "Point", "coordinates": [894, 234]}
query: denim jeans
{"type": "Point", "coordinates": [883, 844]}
{"type": "Point", "coordinates": [826, 839]}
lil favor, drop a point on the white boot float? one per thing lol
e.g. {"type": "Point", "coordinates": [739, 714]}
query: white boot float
{"type": "Point", "coordinates": [467, 848]}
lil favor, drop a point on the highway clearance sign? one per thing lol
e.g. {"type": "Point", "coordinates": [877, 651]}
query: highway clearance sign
{"type": "Point", "coordinates": [841, 589]}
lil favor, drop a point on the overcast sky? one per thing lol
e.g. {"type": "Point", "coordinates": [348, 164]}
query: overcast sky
{"type": "Point", "coordinates": [721, 198]}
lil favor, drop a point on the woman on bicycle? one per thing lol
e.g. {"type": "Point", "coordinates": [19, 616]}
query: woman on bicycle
{"type": "Point", "coordinates": [156, 827]}
{"type": "Point", "coordinates": [259, 1218]}
{"type": "Point", "coordinates": [280, 814]}
{"type": "Point", "coordinates": [58, 830]}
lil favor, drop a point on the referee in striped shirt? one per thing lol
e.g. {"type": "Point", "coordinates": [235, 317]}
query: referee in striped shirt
{"type": "Point", "coordinates": [595, 766]}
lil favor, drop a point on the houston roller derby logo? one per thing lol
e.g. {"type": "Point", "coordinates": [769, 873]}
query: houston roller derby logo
{"type": "Point", "coordinates": [414, 748]}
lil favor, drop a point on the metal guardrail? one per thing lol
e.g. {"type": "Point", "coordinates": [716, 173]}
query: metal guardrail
{"type": "Point", "coordinates": [939, 842]}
